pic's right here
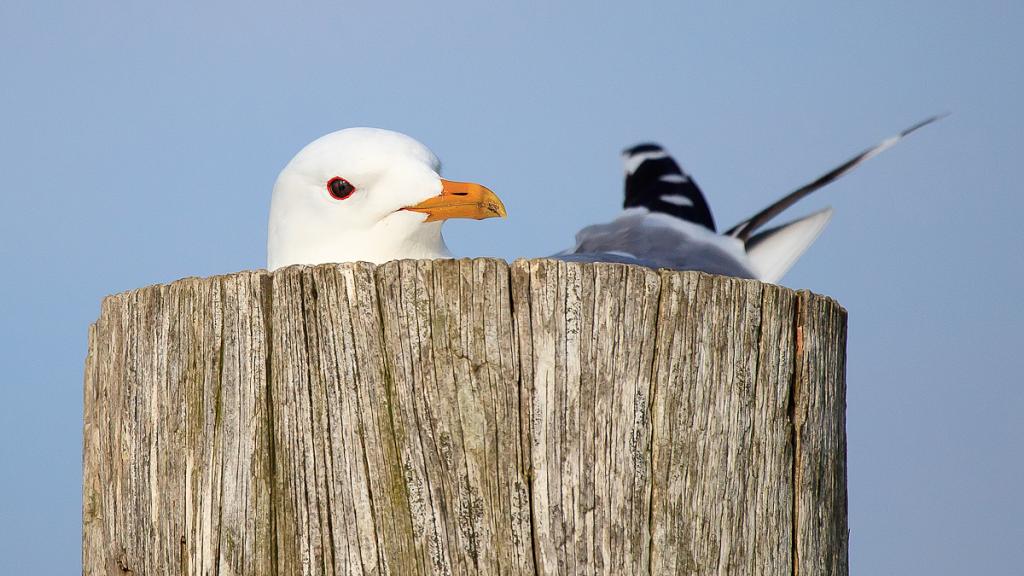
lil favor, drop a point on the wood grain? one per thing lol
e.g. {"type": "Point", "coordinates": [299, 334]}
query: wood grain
{"type": "Point", "coordinates": [465, 417]}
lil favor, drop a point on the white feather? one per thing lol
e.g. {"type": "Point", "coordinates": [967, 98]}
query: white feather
{"type": "Point", "coordinates": [622, 253]}
{"type": "Point", "coordinates": [772, 256]}
{"type": "Point", "coordinates": [634, 161]}
{"type": "Point", "coordinates": [677, 199]}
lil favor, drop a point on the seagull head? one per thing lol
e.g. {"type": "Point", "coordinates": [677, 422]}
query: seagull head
{"type": "Point", "coordinates": [367, 194]}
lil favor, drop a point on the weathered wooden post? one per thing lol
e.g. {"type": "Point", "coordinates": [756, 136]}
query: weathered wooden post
{"type": "Point", "coordinates": [465, 417]}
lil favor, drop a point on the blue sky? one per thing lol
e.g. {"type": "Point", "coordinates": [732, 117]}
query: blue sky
{"type": "Point", "coordinates": [139, 145]}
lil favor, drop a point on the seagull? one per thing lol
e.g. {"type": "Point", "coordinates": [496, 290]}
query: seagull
{"type": "Point", "coordinates": [367, 194]}
{"type": "Point", "coordinates": [666, 222]}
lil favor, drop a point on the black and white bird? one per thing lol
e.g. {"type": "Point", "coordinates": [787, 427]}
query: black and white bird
{"type": "Point", "coordinates": [666, 222]}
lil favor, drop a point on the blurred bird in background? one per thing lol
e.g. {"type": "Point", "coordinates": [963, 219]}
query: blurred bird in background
{"type": "Point", "coordinates": [666, 222]}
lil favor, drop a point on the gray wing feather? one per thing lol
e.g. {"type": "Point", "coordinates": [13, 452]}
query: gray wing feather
{"type": "Point", "coordinates": [631, 239]}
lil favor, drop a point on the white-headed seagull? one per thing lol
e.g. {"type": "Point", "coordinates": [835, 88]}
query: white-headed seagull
{"type": "Point", "coordinates": [366, 194]}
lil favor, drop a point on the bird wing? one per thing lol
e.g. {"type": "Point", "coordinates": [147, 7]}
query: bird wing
{"type": "Point", "coordinates": [655, 181]}
{"type": "Point", "coordinates": [744, 230]}
{"type": "Point", "coordinates": [772, 252]}
{"type": "Point", "coordinates": [659, 241]}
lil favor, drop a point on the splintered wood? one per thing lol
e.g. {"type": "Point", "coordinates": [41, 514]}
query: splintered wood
{"type": "Point", "coordinates": [465, 417]}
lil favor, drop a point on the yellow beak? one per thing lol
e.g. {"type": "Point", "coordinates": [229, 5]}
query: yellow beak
{"type": "Point", "coordinates": [460, 200]}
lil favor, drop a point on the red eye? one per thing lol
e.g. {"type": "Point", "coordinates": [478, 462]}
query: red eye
{"type": "Point", "coordinates": [340, 188]}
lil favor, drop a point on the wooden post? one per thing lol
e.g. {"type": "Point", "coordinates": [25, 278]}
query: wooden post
{"type": "Point", "coordinates": [465, 417]}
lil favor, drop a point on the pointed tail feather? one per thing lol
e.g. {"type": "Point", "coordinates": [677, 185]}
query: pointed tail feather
{"type": "Point", "coordinates": [744, 230]}
{"type": "Point", "coordinates": [773, 251]}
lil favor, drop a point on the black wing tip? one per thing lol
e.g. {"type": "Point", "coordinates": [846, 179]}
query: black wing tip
{"type": "Point", "coordinates": [745, 229]}
{"type": "Point", "coordinates": [924, 123]}
{"type": "Point", "coordinates": [643, 147]}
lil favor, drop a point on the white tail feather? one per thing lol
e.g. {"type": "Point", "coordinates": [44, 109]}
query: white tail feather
{"type": "Point", "coordinates": [774, 251]}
